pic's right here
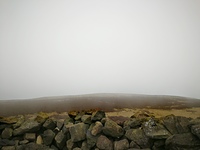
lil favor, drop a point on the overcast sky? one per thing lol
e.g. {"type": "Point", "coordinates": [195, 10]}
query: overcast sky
{"type": "Point", "coordinates": [52, 48]}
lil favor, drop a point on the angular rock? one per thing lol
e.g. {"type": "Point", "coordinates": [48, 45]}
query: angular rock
{"type": "Point", "coordinates": [6, 133]}
{"type": "Point", "coordinates": [119, 119]}
{"type": "Point", "coordinates": [139, 137]}
{"type": "Point", "coordinates": [78, 132]}
{"type": "Point", "coordinates": [60, 140]}
{"type": "Point", "coordinates": [104, 143]}
{"type": "Point", "coordinates": [23, 142]}
{"type": "Point", "coordinates": [49, 124]}
{"type": "Point", "coordinates": [184, 141]}
{"type": "Point", "coordinates": [170, 123]}
{"type": "Point", "coordinates": [182, 124]}
{"type": "Point", "coordinates": [33, 146]}
{"type": "Point", "coordinates": [48, 137]}
{"type": "Point", "coordinates": [154, 130]}
{"type": "Point", "coordinates": [195, 129]}
{"type": "Point", "coordinates": [30, 136]}
{"type": "Point", "coordinates": [132, 123]}
{"type": "Point", "coordinates": [121, 145]}
{"type": "Point", "coordinates": [98, 115]}
{"type": "Point", "coordinates": [86, 119]}
{"type": "Point", "coordinates": [97, 128]}
{"type": "Point", "coordinates": [27, 126]}
{"type": "Point", "coordinates": [84, 146]}
{"type": "Point", "coordinates": [70, 144]}
{"type": "Point", "coordinates": [112, 129]}
{"type": "Point", "coordinates": [79, 115]}
{"type": "Point", "coordinates": [134, 145]}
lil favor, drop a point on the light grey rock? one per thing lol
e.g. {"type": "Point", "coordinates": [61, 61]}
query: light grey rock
{"type": "Point", "coordinates": [112, 129]}
{"type": "Point", "coordinates": [121, 145]}
{"type": "Point", "coordinates": [78, 132]}
{"type": "Point", "coordinates": [104, 143]}
{"type": "Point", "coordinates": [154, 130]}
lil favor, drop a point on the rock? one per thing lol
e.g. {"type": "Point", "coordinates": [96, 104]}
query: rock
{"type": "Point", "coordinates": [139, 137]}
{"type": "Point", "coordinates": [39, 139]}
{"type": "Point", "coordinates": [23, 142]}
{"type": "Point", "coordinates": [195, 129]}
{"type": "Point", "coordinates": [170, 123]}
{"type": "Point", "coordinates": [134, 145]}
{"type": "Point", "coordinates": [97, 128]}
{"type": "Point", "coordinates": [182, 124]}
{"type": "Point", "coordinates": [77, 148]}
{"type": "Point", "coordinates": [119, 119]}
{"type": "Point", "coordinates": [30, 136]}
{"type": "Point", "coordinates": [104, 143]}
{"type": "Point", "coordinates": [27, 126]}
{"type": "Point", "coordinates": [8, 148]}
{"type": "Point", "coordinates": [53, 147]}
{"type": "Point", "coordinates": [41, 117]}
{"type": "Point", "coordinates": [78, 132]}
{"type": "Point", "coordinates": [86, 119]}
{"type": "Point", "coordinates": [185, 141]}
{"type": "Point", "coordinates": [48, 137]}
{"type": "Point", "coordinates": [70, 144]}
{"type": "Point", "coordinates": [79, 115]}
{"type": "Point", "coordinates": [98, 115]}
{"type": "Point", "coordinates": [121, 145]}
{"type": "Point", "coordinates": [112, 129]}
{"type": "Point", "coordinates": [84, 146]}
{"type": "Point", "coordinates": [159, 145]}
{"type": "Point", "coordinates": [49, 124]}
{"type": "Point", "coordinates": [154, 130]}
{"type": "Point", "coordinates": [6, 133]}
{"type": "Point", "coordinates": [60, 140]}
{"type": "Point", "coordinates": [132, 123]}
{"type": "Point", "coordinates": [6, 142]}
{"type": "Point", "coordinates": [91, 139]}
{"type": "Point", "coordinates": [34, 146]}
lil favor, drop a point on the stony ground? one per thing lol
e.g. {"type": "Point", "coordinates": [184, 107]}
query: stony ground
{"type": "Point", "coordinates": [127, 129]}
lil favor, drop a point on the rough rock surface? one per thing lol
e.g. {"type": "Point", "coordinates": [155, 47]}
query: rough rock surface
{"type": "Point", "coordinates": [92, 130]}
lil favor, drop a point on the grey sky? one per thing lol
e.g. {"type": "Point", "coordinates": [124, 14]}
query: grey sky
{"type": "Point", "coordinates": [76, 47]}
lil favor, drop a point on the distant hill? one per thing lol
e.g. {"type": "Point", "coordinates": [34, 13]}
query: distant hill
{"type": "Point", "coordinates": [105, 101]}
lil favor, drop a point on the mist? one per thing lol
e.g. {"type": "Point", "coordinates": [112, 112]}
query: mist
{"type": "Point", "coordinates": [52, 48]}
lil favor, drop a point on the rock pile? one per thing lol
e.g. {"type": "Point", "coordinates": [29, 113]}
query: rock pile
{"type": "Point", "coordinates": [92, 130]}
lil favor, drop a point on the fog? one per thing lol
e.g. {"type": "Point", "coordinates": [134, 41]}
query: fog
{"type": "Point", "coordinates": [52, 48]}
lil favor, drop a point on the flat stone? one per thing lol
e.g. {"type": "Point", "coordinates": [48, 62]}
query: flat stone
{"type": "Point", "coordinates": [112, 129]}
{"type": "Point", "coordinates": [27, 126]}
{"type": "Point", "coordinates": [183, 141]}
{"type": "Point", "coordinates": [30, 136]}
{"type": "Point", "coordinates": [7, 133]}
{"type": "Point", "coordinates": [104, 143]}
{"type": "Point", "coordinates": [8, 148]}
{"type": "Point", "coordinates": [78, 132]}
{"type": "Point", "coordinates": [121, 145]}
